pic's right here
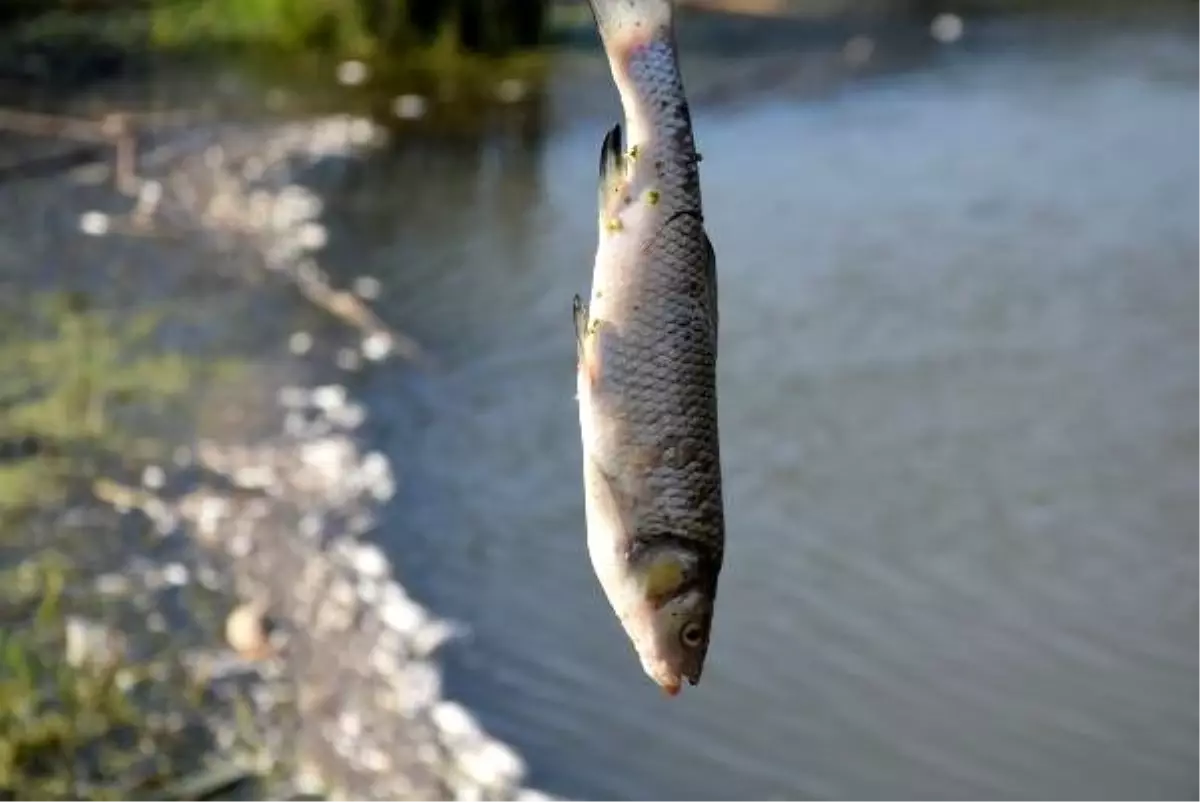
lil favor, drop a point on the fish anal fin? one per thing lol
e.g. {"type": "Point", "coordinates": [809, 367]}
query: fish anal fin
{"type": "Point", "coordinates": [612, 164]}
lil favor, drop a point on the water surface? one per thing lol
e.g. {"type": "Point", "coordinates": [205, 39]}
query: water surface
{"type": "Point", "coordinates": [958, 398]}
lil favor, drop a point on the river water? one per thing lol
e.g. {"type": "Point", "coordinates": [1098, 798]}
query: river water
{"type": "Point", "coordinates": [958, 395]}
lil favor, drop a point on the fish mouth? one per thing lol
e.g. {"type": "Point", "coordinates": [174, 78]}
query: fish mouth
{"type": "Point", "coordinates": [670, 681]}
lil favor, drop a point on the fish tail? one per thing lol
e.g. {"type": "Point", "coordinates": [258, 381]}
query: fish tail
{"type": "Point", "coordinates": [626, 24]}
{"type": "Point", "coordinates": [639, 40]}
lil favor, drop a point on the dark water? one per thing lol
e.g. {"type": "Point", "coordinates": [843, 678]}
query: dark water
{"type": "Point", "coordinates": [959, 393]}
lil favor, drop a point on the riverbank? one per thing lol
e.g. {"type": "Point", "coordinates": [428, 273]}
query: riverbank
{"type": "Point", "coordinates": [266, 498]}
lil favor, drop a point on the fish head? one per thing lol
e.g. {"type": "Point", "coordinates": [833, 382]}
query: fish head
{"type": "Point", "coordinates": [669, 614]}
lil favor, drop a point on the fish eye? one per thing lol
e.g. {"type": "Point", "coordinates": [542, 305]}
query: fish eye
{"type": "Point", "coordinates": [691, 634]}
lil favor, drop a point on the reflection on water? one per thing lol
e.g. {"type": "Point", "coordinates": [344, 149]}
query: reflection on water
{"type": "Point", "coordinates": [958, 397]}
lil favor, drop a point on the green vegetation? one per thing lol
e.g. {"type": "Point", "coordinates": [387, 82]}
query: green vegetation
{"type": "Point", "coordinates": [339, 26]}
{"type": "Point", "coordinates": [395, 31]}
{"type": "Point", "coordinates": [353, 27]}
{"type": "Point", "coordinates": [79, 387]}
{"type": "Point", "coordinates": [460, 51]}
{"type": "Point", "coordinates": [78, 729]}
{"type": "Point", "coordinates": [71, 380]}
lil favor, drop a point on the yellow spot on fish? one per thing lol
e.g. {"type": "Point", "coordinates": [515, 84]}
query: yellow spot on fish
{"type": "Point", "coordinates": [613, 224]}
{"type": "Point", "coordinates": [652, 197]}
{"type": "Point", "coordinates": [663, 577]}
{"type": "Point", "coordinates": [633, 152]}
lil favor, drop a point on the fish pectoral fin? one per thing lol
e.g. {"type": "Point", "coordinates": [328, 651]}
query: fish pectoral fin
{"type": "Point", "coordinates": [613, 503]}
{"type": "Point", "coordinates": [580, 311]}
{"type": "Point", "coordinates": [612, 164]}
{"type": "Point", "coordinates": [589, 336]}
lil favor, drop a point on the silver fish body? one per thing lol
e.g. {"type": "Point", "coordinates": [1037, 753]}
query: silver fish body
{"type": "Point", "coordinates": [647, 347]}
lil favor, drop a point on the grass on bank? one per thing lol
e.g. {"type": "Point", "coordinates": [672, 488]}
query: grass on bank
{"type": "Point", "coordinates": [339, 26]}
{"type": "Point", "coordinates": [389, 33]}
{"type": "Point", "coordinates": [72, 378]}
{"type": "Point", "coordinates": [71, 729]}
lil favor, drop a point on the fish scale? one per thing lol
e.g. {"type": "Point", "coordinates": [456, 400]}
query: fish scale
{"type": "Point", "coordinates": [647, 342]}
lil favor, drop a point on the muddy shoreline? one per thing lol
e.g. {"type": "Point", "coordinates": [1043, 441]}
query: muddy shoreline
{"type": "Point", "coordinates": [270, 496]}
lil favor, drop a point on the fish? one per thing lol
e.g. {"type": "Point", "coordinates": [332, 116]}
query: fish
{"type": "Point", "coordinates": [647, 358]}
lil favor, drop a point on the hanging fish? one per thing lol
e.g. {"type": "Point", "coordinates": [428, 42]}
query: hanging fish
{"type": "Point", "coordinates": [647, 351]}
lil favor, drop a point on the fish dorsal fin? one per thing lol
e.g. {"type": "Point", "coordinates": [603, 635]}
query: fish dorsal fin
{"type": "Point", "coordinates": [710, 274]}
{"type": "Point", "coordinates": [612, 163]}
